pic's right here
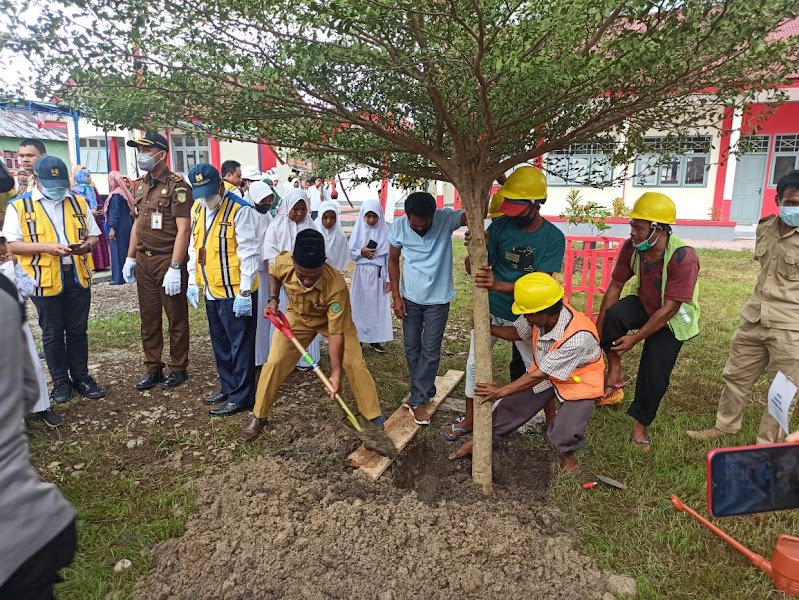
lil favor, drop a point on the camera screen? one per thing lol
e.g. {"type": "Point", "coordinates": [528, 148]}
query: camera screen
{"type": "Point", "coordinates": [754, 480]}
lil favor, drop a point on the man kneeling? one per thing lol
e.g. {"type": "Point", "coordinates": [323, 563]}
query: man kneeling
{"type": "Point", "coordinates": [319, 303]}
{"type": "Point", "coordinates": [567, 362]}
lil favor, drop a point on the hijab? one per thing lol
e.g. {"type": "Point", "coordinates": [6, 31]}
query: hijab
{"type": "Point", "coordinates": [362, 233]}
{"type": "Point", "coordinates": [283, 231]}
{"type": "Point", "coordinates": [336, 248]}
{"type": "Point", "coordinates": [117, 185]}
{"type": "Point", "coordinates": [84, 188]}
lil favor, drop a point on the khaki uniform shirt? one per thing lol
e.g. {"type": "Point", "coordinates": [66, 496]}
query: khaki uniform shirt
{"type": "Point", "coordinates": [168, 195]}
{"type": "Point", "coordinates": [325, 308]}
{"type": "Point", "coordinates": [775, 300]}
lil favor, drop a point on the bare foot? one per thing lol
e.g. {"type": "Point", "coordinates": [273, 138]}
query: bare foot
{"type": "Point", "coordinates": [569, 464]}
{"type": "Point", "coordinates": [463, 451]}
{"type": "Point", "coordinates": [638, 437]}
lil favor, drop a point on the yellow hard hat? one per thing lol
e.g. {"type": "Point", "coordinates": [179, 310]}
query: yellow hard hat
{"type": "Point", "coordinates": [654, 207]}
{"type": "Point", "coordinates": [534, 293]}
{"type": "Point", "coordinates": [525, 183]}
{"type": "Point", "coordinates": [496, 201]}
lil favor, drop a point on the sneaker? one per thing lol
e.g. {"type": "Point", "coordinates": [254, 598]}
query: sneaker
{"type": "Point", "coordinates": [706, 434]}
{"type": "Point", "coordinates": [420, 414]}
{"type": "Point", "coordinates": [378, 348]}
{"type": "Point", "coordinates": [88, 388]}
{"type": "Point", "coordinates": [62, 392]}
{"type": "Point", "coordinates": [50, 418]}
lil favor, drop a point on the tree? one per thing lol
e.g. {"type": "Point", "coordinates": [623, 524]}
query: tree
{"type": "Point", "coordinates": [453, 90]}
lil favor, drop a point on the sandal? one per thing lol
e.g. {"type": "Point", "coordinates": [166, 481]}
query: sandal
{"type": "Point", "coordinates": [644, 445]}
{"type": "Point", "coordinates": [452, 433]}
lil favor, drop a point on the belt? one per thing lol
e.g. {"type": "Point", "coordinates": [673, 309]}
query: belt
{"type": "Point", "coordinates": [154, 253]}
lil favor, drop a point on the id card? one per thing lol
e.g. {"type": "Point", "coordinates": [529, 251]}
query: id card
{"type": "Point", "coordinates": [201, 256]}
{"type": "Point", "coordinates": [157, 222]}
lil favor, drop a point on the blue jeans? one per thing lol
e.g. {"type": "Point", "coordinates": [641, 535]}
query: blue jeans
{"type": "Point", "coordinates": [233, 342]}
{"type": "Point", "coordinates": [423, 332]}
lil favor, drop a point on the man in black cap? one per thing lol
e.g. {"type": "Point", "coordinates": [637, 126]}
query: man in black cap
{"type": "Point", "coordinates": [319, 303]}
{"type": "Point", "coordinates": [157, 258]}
{"type": "Point", "coordinates": [52, 232]}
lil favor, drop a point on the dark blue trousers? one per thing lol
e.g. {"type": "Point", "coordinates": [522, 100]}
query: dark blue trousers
{"type": "Point", "coordinates": [233, 341]}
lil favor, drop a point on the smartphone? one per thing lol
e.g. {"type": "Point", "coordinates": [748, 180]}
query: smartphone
{"type": "Point", "coordinates": [74, 247]}
{"type": "Point", "coordinates": [752, 479]}
{"type": "Point", "coordinates": [371, 244]}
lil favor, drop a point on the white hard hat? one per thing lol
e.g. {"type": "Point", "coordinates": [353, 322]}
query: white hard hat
{"type": "Point", "coordinates": [251, 173]}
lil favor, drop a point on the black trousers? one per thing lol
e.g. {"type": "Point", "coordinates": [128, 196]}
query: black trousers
{"type": "Point", "coordinates": [516, 367]}
{"type": "Point", "coordinates": [64, 320]}
{"type": "Point", "coordinates": [657, 359]}
{"type": "Point", "coordinates": [35, 579]}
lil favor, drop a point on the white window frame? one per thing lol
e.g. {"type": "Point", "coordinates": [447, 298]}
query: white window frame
{"type": "Point", "coordinates": [653, 167]}
{"type": "Point", "coordinates": [185, 155]}
{"type": "Point", "coordinates": [785, 145]}
{"type": "Point", "coordinates": [94, 154]}
{"type": "Point", "coordinates": [598, 172]}
{"type": "Point", "coordinates": [11, 159]}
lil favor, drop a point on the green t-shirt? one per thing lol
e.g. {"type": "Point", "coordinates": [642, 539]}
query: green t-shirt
{"type": "Point", "coordinates": [513, 253]}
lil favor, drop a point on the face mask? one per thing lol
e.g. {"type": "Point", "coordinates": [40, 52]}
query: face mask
{"type": "Point", "coordinates": [55, 194]}
{"type": "Point", "coordinates": [790, 215]}
{"type": "Point", "coordinates": [146, 162]}
{"type": "Point", "coordinates": [308, 288]}
{"type": "Point", "coordinates": [647, 243]}
{"type": "Point", "coordinates": [522, 222]}
{"type": "Point", "coordinates": [212, 202]}
{"type": "Point", "coordinates": [262, 208]}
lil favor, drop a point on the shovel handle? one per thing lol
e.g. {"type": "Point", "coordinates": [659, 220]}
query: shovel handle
{"type": "Point", "coordinates": [279, 320]}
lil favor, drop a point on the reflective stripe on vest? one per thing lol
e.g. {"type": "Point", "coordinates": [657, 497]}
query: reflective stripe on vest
{"type": "Point", "coordinates": [37, 227]}
{"type": "Point", "coordinates": [587, 381]}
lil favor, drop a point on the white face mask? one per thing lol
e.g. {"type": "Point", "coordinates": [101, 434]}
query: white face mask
{"type": "Point", "coordinates": [55, 194]}
{"type": "Point", "coordinates": [212, 202]}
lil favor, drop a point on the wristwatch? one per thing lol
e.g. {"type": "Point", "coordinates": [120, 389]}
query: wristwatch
{"type": "Point", "coordinates": [174, 265]}
{"type": "Point", "coordinates": [245, 293]}
{"type": "Point", "coordinates": [276, 298]}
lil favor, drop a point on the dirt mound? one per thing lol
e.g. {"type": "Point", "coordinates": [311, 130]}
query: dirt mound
{"type": "Point", "coordinates": [274, 528]}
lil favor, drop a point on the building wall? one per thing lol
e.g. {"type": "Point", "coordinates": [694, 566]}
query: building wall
{"type": "Point", "coordinates": [59, 149]}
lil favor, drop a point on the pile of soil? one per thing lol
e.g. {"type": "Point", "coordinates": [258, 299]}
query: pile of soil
{"type": "Point", "coordinates": [273, 527]}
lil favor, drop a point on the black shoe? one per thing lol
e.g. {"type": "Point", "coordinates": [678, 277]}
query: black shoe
{"type": "Point", "coordinates": [50, 418]}
{"type": "Point", "coordinates": [174, 379]}
{"type": "Point", "coordinates": [88, 388]}
{"type": "Point", "coordinates": [150, 380]}
{"type": "Point", "coordinates": [215, 398]}
{"type": "Point", "coordinates": [378, 348]}
{"type": "Point", "coordinates": [62, 392]}
{"type": "Point", "coordinates": [228, 408]}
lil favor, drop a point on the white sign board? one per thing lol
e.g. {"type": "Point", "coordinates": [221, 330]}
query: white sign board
{"type": "Point", "coordinates": [780, 397]}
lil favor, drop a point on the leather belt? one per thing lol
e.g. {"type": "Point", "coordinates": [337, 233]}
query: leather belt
{"type": "Point", "coordinates": [153, 253]}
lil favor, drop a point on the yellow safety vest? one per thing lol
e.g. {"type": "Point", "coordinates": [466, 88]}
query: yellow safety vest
{"type": "Point", "coordinates": [216, 248]}
{"type": "Point", "coordinates": [37, 228]}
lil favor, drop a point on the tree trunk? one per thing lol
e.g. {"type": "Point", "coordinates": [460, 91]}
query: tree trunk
{"type": "Point", "coordinates": [474, 203]}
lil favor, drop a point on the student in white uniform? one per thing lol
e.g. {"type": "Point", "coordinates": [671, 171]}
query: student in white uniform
{"type": "Point", "coordinates": [336, 244]}
{"type": "Point", "coordinates": [262, 196]}
{"type": "Point", "coordinates": [293, 217]}
{"type": "Point", "coordinates": [371, 293]}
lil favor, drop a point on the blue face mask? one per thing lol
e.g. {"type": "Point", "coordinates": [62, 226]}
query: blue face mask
{"type": "Point", "coordinates": [790, 215]}
{"type": "Point", "coordinates": [55, 194]}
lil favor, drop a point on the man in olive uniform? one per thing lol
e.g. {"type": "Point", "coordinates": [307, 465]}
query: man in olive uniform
{"type": "Point", "coordinates": [319, 303]}
{"type": "Point", "coordinates": [157, 258]}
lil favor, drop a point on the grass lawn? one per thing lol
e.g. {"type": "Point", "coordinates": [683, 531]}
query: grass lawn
{"type": "Point", "coordinates": [634, 532]}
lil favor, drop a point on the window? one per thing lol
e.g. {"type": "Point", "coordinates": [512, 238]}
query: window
{"type": "Point", "coordinates": [94, 155]}
{"type": "Point", "coordinates": [681, 165]}
{"type": "Point", "coordinates": [754, 144]}
{"type": "Point", "coordinates": [786, 156]}
{"type": "Point", "coordinates": [188, 150]}
{"type": "Point", "coordinates": [580, 164]}
{"type": "Point", "coordinates": [12, 162]}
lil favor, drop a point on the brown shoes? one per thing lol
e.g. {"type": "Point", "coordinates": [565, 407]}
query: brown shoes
{"type": "Point", "coordinates": [706, 434]}
{"type": "Point", "coordinates": [252, 429]}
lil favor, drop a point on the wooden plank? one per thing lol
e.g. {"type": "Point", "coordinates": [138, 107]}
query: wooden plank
{"type": "Point", "coordinates": [401, 428]}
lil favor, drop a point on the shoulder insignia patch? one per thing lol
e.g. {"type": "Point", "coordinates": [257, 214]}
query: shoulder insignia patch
{"type": "Point", "coordinates": [180, 195]}
{"type": "Point", "coordinates": [176, 177]}
{"type": "Point", "coordinates": [335, 308]}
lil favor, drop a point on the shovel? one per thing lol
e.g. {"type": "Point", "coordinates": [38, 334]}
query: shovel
{"type": "Point", "coordinates": [372, 437]}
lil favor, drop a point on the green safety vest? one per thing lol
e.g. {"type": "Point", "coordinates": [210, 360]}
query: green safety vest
{"type": "Point", "coordinates": [685, 324]}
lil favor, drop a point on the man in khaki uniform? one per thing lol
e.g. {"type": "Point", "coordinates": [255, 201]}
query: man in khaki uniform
{"type": "Point", "coordinates": [319, 303]}
{"type": "Point", "coordinates": [157, 258]}
{"type": "Point", "coordinates": [767, 338]}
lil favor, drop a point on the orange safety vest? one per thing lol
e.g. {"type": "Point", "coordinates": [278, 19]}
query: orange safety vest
{"type": "Point", "coordinates": [586, 382]}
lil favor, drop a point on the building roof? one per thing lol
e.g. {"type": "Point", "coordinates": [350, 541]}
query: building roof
{"type": "Point", "coordinates": [21, 124]}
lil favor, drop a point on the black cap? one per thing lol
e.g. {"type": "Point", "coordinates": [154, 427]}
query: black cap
{"type": "Point", "coordinates": [150, 138]}
{"type": "Point", "coordinates": [309, 249]}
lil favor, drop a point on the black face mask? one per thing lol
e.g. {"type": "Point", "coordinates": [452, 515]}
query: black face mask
{"type": "Point", "coordinates": [523, 221]}
{"type": "Point", "coordinates": [263, 208]}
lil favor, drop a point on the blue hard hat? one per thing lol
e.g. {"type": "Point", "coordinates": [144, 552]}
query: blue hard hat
{"type": "Point", "coordinates": [204, 179]}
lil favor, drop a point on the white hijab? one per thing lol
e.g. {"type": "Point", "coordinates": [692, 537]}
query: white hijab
{"type": "Point", "coordinates": [283, 231]}
{"type": "Point", "coordinates": [336, 248]}
{"type": "Point", "coordinates": [362, 233]}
